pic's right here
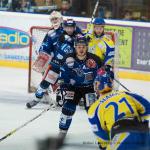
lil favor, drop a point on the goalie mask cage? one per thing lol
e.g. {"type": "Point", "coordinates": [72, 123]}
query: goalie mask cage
{"type": "Point", "coordinates": [37, 35]}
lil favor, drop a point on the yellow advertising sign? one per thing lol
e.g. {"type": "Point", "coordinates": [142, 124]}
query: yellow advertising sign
{"type": "Point", "coordinates": [125, 44]}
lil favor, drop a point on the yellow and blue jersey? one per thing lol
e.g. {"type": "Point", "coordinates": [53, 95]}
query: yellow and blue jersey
{"type": "Point", "coordinates": [112, 107]}
{"type": "Point", "coordinates": [102, 46]}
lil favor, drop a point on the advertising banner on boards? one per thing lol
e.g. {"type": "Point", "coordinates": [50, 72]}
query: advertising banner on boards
{"type": "Point", "coordinates": [133, 39]}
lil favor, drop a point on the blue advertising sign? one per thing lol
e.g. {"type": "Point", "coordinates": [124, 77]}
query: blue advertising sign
{"type": "Point", "coordinates": [13, 38]}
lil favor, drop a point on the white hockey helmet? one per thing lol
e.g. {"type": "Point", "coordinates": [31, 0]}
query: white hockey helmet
{"type": "Point", "coordinates": [56, 19]}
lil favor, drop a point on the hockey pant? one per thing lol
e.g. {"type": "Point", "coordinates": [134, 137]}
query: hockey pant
{"type": "Point", "coordinates": [71, 100]}
{"type": "Point", "coordinates": [128, 134]}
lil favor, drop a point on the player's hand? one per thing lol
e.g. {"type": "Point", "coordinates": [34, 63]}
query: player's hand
{"type": "Point", "coordinates": [60, 81]}
{"type": "Point", "coordinates": [108, 70]}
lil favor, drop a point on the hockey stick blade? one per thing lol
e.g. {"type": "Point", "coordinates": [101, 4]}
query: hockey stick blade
{"type": "Point", "coordinates": [23, 125]}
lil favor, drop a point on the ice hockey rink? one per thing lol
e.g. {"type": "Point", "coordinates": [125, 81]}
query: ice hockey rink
{"type": "Point", "coordinates": [13, 113]}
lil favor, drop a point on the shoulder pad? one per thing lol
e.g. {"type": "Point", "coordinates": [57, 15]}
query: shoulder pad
{"type": "Point", "coordinates": [70, 62]}
{"type": "Point", "coordinates": [108, 40]}
{"type": "Point", "coordinates": [52, 33]}
{"type": "Point", "coordinates": [67, 38]}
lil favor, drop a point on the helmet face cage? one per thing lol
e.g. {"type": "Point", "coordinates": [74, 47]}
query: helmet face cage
{"type": "Point", "coordinates": [56, 19]}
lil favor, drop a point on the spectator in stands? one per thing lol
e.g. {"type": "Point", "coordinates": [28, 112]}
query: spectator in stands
{"type": "Point", "coordinates": [3, 3]}
{"type": "Point", "coordinates": [127, 15]}
{"type": "Point", "coordinates": [48, 2]}
{"type": "Point", "coordinates": [66, 9]}
{"type": "Point", "coordinates": [15, 5]}
{"type": "Point", "coordinates": [144, 19]}
{"type": "Point", "coordinates": [108, 14]}
{"type": "Point", "coordinates": [26, 5]}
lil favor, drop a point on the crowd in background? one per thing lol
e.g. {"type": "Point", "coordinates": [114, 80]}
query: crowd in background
{"type": "Point", "coordinates": [79, 8]}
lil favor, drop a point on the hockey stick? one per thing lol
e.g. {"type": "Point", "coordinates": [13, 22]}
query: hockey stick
{"type": "Point", "coordinates": [94, 12]}
{"type": "Point", "coordinates": [122, 85]}
{"type": "Point", "coordinates": [93, 15]}
{"type": "Point", "coordinates": [20, 127]}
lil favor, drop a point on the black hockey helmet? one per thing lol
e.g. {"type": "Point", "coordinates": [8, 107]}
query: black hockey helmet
{"type": "Point", "coordinates": [81, 40]}
{"type": "Point", "coordinates": [69, 23]}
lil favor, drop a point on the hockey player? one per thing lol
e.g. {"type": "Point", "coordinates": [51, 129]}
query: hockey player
{"type": "Point", "coordinates": [119, 119]}
{"type": "Point", "coordinates": [57, 44]}
{"type": "Point", "coordinates": [43, 52]}
{"type": "Point", "coordinates": [77, 76]}
{"type": "Point", "coordinates": [99, 43]}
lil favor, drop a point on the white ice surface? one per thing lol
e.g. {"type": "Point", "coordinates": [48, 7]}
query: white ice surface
{"type": "Point", "coordinates": [13, 113]}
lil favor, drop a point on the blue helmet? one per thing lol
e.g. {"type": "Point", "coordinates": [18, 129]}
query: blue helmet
{"type": "Point", "coordinates": [81, 40]}
{"type": "Point", "coordinates": [103, 81]}
{"type": "Point", "coordinates": [69, 23]}
{"type": "Point", "coordinates": [99, 21]}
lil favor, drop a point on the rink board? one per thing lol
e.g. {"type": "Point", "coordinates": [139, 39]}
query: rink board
{"type": "Point", "coordinates": [15, 37]}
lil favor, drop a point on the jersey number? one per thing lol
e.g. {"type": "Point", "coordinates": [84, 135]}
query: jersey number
{"type": "Point", "coordinates": [116, 111]}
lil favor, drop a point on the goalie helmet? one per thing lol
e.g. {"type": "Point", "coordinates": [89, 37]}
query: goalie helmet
{"type": "Point", "coordinates": [103, 82]}
{"type": "Point", "coordinates": [56, 19]}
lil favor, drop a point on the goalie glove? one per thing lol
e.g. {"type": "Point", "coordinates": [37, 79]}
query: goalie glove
{"type": "Point", "coordinates": [41, 62]}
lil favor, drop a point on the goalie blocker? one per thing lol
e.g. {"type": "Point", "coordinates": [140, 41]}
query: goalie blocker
{"type": "Point", "coordinates": [41, 62]}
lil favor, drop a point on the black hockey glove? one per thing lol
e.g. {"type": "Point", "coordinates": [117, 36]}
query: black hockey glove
{"type": "Point", "coordinates": [100, 147]}
{"type": "Point", "coordinates": [109, 71]}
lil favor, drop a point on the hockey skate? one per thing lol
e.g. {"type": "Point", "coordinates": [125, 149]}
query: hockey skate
{"type": "Point", "coordinates": [32, 103]}
{"type": "Point", "coordinates": [45, 100]}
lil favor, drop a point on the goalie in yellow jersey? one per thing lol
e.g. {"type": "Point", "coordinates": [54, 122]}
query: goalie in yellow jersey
{"type": "Point", "coordinates": [119, 119]}
{"type": "Point", "coordinates": [99, 43]}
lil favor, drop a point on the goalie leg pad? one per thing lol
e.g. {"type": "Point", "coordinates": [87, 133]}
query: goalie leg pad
{"type": "Point", "coordinates": [51, 76]}
{"type": "Point", "coordinates": [41, 62]}
{"type": "Point", "coordinates": [68, 111]}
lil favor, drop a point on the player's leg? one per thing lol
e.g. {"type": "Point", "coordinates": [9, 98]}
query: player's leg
{"type": "Point", "coordinates": [67, 113]}
{"type": "Point", "coordinates": [50, 77]}
{"type": "Point", "coordinates": [69, 107]}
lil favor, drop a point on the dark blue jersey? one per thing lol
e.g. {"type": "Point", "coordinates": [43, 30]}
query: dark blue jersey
{"type": "Point", "coordinates": [58, 43]}
{"type": "Point", "coordinates": [80, 72]}
{"type": "Point", "coordinates": [49, 43]}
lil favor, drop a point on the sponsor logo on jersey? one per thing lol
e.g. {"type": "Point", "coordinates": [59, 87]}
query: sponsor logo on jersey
{"type": "Point", "coordinates": [90, 63]}
{"type": "Point", "coordinates": [13, 38]}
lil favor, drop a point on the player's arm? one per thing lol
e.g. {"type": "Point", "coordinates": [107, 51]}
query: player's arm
{"type": "Point", "coordinates": [47, 44]}
{"type": "Point", "coordinates": [142, 104]}
{"type": "Point", "coordinates": [78, 30]}
{"type": "Point", "coordinates": [109, 56]}
{"type": "Point", "coordinates": [96, 126]}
